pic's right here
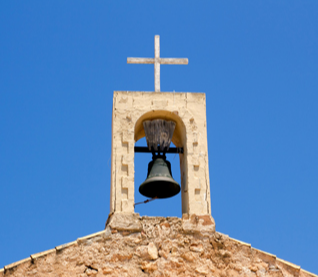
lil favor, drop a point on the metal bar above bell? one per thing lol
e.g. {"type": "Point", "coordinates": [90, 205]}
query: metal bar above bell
{"type": "Point", "coordinates": [172, 150]}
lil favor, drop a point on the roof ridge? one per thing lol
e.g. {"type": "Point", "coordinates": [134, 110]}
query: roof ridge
{"type": "Point", "coordinates": [46, 252]}
{"type": "Point", "coordinates": [279, 260]}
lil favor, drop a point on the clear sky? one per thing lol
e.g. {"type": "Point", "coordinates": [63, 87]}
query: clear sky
{"type": "Point", "coordinates": [257, 62]}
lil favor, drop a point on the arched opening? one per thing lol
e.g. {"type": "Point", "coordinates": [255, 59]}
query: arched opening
{"type": "Point", "coordinates": [173, 206]}
{"type": "Point", "coordinates": [179, 135]}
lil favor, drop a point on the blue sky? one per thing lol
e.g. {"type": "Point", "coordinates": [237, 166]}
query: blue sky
{"type": "Point", "coordinates": [257, 62]}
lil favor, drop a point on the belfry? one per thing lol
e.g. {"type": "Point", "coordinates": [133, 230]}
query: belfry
{"type": "Point", "coordinates": [187, 111]}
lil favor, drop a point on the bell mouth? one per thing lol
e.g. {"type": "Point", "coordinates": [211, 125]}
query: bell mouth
{"type": "Point", "coordinates": [160, 187]}
{"type": "Point", "coordinates": [159, 182]}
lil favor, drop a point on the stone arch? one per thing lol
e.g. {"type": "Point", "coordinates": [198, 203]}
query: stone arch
{"type": "Point", "coordinates": [179, 135]}
{"type": "Point", "coordinates": [179, 140]}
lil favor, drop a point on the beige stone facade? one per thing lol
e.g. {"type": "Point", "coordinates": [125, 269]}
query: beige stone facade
{"type": "Point", "coordinates": [188, 110]}
{"type": "Point", "coordinates": [154, 246]}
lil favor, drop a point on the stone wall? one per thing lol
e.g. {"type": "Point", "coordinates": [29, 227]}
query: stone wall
{"type": "Point", "coordinates": [154, 246]}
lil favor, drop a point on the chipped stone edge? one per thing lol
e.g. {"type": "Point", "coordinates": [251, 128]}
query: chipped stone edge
{"type": "Point", "coordinates": [265, 253]}
{"type": "Point", "coordinates": [41, 254]}
{"type": "Point", "coordinates": [241, 242]}
{"type": "Point", "coordinates": [65, 245]}
{"type": "Point", "coordinates": [10, 266]}
{"type": "Point", "coordinates": [83, 239]}
{"type": "Point", "coordinates": [309, 273]}
{"type": "Point", "coordinates": [44, 253]}
{"type": "Point", "coordinates": [224, 235]}
{"type": "Point", "coordinates": [294, 266]}
{"type": "Point", "coordinates": [288, 264]}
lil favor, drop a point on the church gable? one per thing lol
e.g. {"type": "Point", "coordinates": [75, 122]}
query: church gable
{"type": "Point", "coordinates": [155, 246]}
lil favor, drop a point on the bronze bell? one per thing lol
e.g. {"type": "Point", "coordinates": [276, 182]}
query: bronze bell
{"type": "Point", "coordinates": [159, 182]}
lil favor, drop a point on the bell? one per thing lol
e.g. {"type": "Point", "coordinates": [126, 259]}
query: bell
{"type": "Point", "coordinates": [159, 182]}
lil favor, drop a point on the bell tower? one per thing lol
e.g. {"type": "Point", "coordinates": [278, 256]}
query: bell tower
{"type": "Point", "coordinates": [131, 112]}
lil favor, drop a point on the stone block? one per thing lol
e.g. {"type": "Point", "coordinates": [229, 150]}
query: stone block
{"type": "Point", "coordinates": [152, 251]}
{"type": "Point", "coordinates": [305, 273]}
{"type": "Point", "coordinates": [125, 222]}
{"type": "Point", "coordinates": [16, 264]}
{"type": "Point", "coordinates": [127, 205]}
{"type": "Point", "coordinates": [92, 236]}
{"type": "Point", "coordinates": [267, 257]}
{"type": "Point", "coordinates": [66, 245]}
{"type": "Point", "coordinates": [289, 267]}
{"type": "Point", "coordinates": [202, 224]}
{"type": "Point", "coordinates": [41, 254]}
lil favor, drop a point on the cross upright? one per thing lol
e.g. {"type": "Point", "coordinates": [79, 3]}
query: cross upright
{"type": "Point", "coordinates": [157, 61]}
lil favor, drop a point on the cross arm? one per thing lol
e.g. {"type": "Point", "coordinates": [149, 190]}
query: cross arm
{"type": "Point", "coordinates": [174, 61]}
{"type": "Point", "coordinates": [140, 60]}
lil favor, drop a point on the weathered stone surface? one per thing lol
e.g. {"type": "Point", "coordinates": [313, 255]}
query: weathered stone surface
{"type": "Point", "coordinates": [203, 224]}
{"type": "Point", "coordinates": [125, 222]}
{"type": "Point", "coordinates": [157, 247]}
{"type": "Point", "coordinates": [152, 251]}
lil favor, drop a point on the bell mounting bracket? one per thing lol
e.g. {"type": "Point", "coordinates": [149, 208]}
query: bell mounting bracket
{"type": "Point", "coordinates": [171, 150]}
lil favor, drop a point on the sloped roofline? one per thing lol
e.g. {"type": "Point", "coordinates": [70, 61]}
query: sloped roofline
{"type": "Point", "coordinates": [267, 256]}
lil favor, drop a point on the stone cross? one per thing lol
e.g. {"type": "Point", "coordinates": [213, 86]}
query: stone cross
{"type": "Point", "coordinates": [157, 61]}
